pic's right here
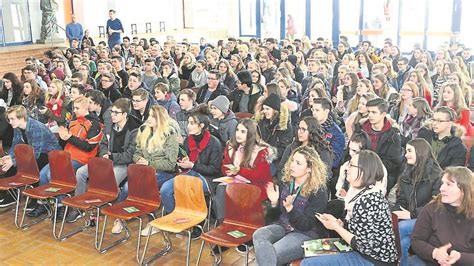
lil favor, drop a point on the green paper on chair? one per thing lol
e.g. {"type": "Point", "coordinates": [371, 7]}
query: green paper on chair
{"type": "Point", "coordinates": [130, 209]}
{"type": "Point", "coordinates": [236, 234]}
{"type": "Point", "coordinates": [52, 189]}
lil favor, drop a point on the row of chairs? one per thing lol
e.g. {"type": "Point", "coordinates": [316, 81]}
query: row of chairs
{"type": "Point", "coordinates": [244, 211]}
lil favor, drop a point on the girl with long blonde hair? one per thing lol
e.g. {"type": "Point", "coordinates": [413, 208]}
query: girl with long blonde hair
{"type": "Point", "coordinates": [55, 108]}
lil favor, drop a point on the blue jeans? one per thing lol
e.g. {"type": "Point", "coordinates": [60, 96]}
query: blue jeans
{"type": "Point", "coordinates": [416, 261]}
{"type": "Point", "coordinates": [274, 246]}
{"type": "Point", "coordinates": [161, 177]}
{"type": "Point", "coordinates": [405, 228]}
{"type": "Point", "coordinates": [167, 191]}
{"type": "Point", "coordinates": [347, 259]}
{"type": "Point", "coordinates": [45, 174]}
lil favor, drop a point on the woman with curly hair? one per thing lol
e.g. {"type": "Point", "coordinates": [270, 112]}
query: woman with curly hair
{"type": "Point", "coordinates": [293, 203]}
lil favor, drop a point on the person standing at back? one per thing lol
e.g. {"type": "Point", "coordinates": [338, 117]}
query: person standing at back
{"type": "Point", "coordinates": [74, 31]}
{"type": "Point", "coordinates": [114, 28]}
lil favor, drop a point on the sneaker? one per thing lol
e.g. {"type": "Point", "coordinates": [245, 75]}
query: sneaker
{"type": "Point", "coordinates": [38, 211]}
{"type": "Point", "coordinates": [118, 227]}
{"type": "Point", "coordinates": [196, 233]}
{"type": "Point", "coordinates": [31, 205]}
{"type": "Point", "coordinates": [72, 216]}
{"type": "Point", "coordinates": [60, 214]}
{"type": "Point", "coordinates": [242, 249]}
{"type": "Point", "coordinates": [147, 229]}
{"type": "Point", "coordinates": [7, 201]}
{"type": "Point", "coordinates": [217, 251]}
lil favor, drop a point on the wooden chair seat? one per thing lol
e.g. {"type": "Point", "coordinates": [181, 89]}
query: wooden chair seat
{"type": "Point", "coordinates": [18, 180]}
{"type": "Point", "coordinates": [167, 223]}
{"type": "Point", "coordinates": [82, 201]}
{"type": "Point", "coordinates": [41, 193]}
{"type": "Point", "coordinates": [219, 236]}
{"type": "Point", "coordinates": [117, 210]}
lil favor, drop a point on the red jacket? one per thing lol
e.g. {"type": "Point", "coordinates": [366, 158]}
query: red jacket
{"type": "Point", "coordinates": [259, 175]}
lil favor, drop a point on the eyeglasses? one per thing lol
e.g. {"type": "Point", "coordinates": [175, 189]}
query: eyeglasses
{"type": "Point", "coordinates": [137, 100]}
{"type": "Point", "coordinates": [439, 120]}
{"type": "Point", "coordinates": [116, 112]}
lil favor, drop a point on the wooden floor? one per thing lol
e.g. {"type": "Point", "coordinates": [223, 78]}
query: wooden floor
{"type": "Point", "coordinates": [35, 246]}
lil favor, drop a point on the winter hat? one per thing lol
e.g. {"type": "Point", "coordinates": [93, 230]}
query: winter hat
{"type": "Point", "coordinates": [222, 103]}
{"type": "Point", "coordinates": [292, 59]}
{"type": "Point", "coordinates": [59, 73]}
{"type": "Point", "coordinates": [273, 101]}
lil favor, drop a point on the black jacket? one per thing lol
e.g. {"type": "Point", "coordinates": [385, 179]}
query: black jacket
{"type": "Point", "coordinates": [276, 135]}
{"type": "Point", "coordinates": [414, 196]}
{"type": "Point", "coordinates": [220, 90]}
{"type": "Point", "coordinates": [209, 160]}
{"type": "Point", "coordinates": [453, 154]}
{"type": "Point", "coordinates": [236, 95]}
{"type": "Point", "coordinates": [112, 93]}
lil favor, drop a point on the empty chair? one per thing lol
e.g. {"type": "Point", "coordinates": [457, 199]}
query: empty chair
{"type": "Point", "coordinates": [243, 215]}
{"type": "Point", "coordinates": [27, 174]}
{"type": "Point", "coordinates": [62, 182]}
{"type": "Point", "coordinates": [143, 198]}
{"type": "Point", "coordinates": [190, 210]}
{"type": "Point", "coordinates": [102, 190]}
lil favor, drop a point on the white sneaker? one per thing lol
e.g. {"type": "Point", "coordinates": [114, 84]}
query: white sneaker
{"type": "Point", "coordinates": [118, 227]}
{"type": "Point", "coordinates": [147, 229]}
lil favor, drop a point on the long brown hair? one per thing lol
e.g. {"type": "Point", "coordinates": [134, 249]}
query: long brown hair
{"type": "Point", "coordinates": [465, 180]}
{"type": "Point", "coordinates": [253, 140]}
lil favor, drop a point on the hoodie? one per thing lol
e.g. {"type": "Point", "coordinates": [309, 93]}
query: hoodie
{"type": "Point", "coordinates": [224, 129]}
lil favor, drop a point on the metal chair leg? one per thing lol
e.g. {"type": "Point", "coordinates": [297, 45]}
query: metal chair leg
{"type": "Point", "coordinates": [60, 237]}
{"type": "Point", "coordinates": [200, 253]}
{"type": "Point", "coordinates": [25, 226]}
{"type": "Point", "coordinates": [139, 237]}
{"type": "Point", "coordinates": [161, 253]}
{"type": "Point", "coordinates": [246, 255]}
{"type": "Point", "coordinates": [189, 246]}
{"type": "Point", "coordinates": [115, 243]}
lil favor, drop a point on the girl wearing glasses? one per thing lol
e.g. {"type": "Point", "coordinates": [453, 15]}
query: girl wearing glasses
{"type": "Point", "coordinates": [368, 225]}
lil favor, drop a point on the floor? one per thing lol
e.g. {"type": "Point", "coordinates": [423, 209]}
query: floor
{"type": "Point", "coordinates": [36, 246]}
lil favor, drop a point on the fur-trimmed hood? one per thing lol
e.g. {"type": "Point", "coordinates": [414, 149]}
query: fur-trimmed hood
{"type": "Point", "coordinates": [457, 129]}
{"type": "Point", "coordinates": [284, 116]}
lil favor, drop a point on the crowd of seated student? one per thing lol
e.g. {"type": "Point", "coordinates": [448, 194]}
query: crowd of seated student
{"type": "Point", "coordinates": [399, 121]}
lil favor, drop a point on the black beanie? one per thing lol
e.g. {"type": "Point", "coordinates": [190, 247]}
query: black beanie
{"type": "Point", "coordinates": [292, 59]}
{"type": "Point", "coordinates": [273, 101]}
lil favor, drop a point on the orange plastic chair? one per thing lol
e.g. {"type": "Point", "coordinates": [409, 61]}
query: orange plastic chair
{"type": "Point", "coordinates": [27, 174]}
{"type": "Point", "coordinates": [468, 141]}
{"type": "Point", "coordinates": [102, 190]}
{"type": "Point", "coordinates": [243, 212]}
{"type": "Point", "coordinates": [63, 182]}
{"type": "Point", "coordinates": [396, 232]}
{"type": "Point", "coordinates": [143, 196]}
{"type": "Point", "coordinates": [190, 211]}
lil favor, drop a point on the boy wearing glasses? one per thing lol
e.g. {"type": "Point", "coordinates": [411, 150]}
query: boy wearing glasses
{"type": "Point", "coordinates": [444, 136]}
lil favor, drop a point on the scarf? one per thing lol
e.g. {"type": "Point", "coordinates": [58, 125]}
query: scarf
{"type": "Point", "coordinates": [55, 105]}
{"type": "Point", "coordinates": [194, 150]}
{"type": "Point", "coordinates": [327, 124]}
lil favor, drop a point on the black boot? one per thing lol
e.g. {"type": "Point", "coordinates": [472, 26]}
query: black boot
{"type": "Point", "coordinates": [38, 211]}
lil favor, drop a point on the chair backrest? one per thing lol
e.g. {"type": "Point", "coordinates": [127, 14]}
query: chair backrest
{"type": "Point", "coordinates": [61, 168]}
{"type": "Point", "coordinates": [142, 186]}
{"type": "Point", "coordinates": [242, 115]}
{"type": "Point", "coordinates": [468, 141]}
{"type": "Point", "coordinates": [183, 84]}
{"type": "Point", "coordinates": [396, 231]}
{"type": "Point", "coordinates": [243, 205]}
{"type": "Point", "coordinates": [102, 177]}
{"type": "Point", "coordinates": [189, 195]}
{"type": "Point", "coordinates": [25, 161]}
